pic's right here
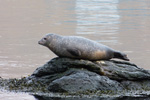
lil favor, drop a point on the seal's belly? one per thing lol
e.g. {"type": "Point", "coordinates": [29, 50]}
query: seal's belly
{"type": "Point", "coordinates": [94, 55]}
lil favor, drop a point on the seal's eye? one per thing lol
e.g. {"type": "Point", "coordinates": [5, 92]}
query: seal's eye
{"type": "Point", "coordinates": [45, 38]}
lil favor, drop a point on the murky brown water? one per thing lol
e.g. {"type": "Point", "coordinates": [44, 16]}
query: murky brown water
{"type": "Point", "coordinates": [121, 24]}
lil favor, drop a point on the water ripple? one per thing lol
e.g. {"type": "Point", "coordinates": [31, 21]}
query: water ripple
{"type": "Point", "coordinates": [97, 16]}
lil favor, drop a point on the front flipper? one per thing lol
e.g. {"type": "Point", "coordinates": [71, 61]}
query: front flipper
{"type": "Point", "coordinates": [74, 52]}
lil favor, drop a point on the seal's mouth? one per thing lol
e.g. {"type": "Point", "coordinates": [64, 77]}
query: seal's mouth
{"type": "Point", "coordinates": [39, 42]}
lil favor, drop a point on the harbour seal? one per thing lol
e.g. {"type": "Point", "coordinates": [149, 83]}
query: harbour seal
{"type": "Point", "coordinates": [79, 47]}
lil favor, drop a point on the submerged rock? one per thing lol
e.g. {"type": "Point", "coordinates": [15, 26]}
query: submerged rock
{"type": "Point", "coordinates": [65, 75]}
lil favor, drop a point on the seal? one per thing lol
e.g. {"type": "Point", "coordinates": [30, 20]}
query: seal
{"type": "Point", "coordinates": [79, 48]}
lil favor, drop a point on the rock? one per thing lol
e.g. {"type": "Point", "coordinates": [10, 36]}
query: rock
{"type": "Point", "coordinates": [83, 81]}
{"type": "Point", "coordinates": [73, 75]}
{"type": "Point", "coordinates": [65, 75]}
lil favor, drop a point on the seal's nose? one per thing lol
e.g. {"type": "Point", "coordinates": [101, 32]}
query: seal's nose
{"type": "Point", "coordinates": [39, 42]}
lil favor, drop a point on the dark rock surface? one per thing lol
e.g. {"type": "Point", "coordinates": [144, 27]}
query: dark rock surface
{"type": "Point", "coordinates": [73, 76]}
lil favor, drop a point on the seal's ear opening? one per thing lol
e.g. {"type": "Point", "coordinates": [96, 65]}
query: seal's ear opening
{"type": "Point", "coordinates": [121, 56]}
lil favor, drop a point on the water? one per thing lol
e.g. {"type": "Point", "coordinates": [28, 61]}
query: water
{"type": "Point", "coordinates": [120, 24]}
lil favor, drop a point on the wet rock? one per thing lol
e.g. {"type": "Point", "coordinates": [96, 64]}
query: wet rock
{"type": "Point", "coordinates": [65, 75]}
{"type": "Point", "coordinates": [83, 80]}
{"type": "Point", "coordinates": [117, 70]}
{"type": "Point", "coordinates": [72, 75]}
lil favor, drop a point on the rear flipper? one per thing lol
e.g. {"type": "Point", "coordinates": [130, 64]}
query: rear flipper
{"type": "Point", "coordinates": [120, 55]}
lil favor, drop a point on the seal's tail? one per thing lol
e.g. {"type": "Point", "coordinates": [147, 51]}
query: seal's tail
{"type": "Point", "coordinates": [120, 56]}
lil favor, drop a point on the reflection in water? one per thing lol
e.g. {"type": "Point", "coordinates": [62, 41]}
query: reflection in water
{"type": "Point", "coordinates": [97, 17]}
{"type": "Point", "coordinates": [93, 98]}
{"type": "Point", "coordinates": [68, 98]}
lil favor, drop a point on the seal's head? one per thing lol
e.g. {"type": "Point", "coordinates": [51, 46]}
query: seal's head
{"type": "Point", "coordinates": [45, 41]}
